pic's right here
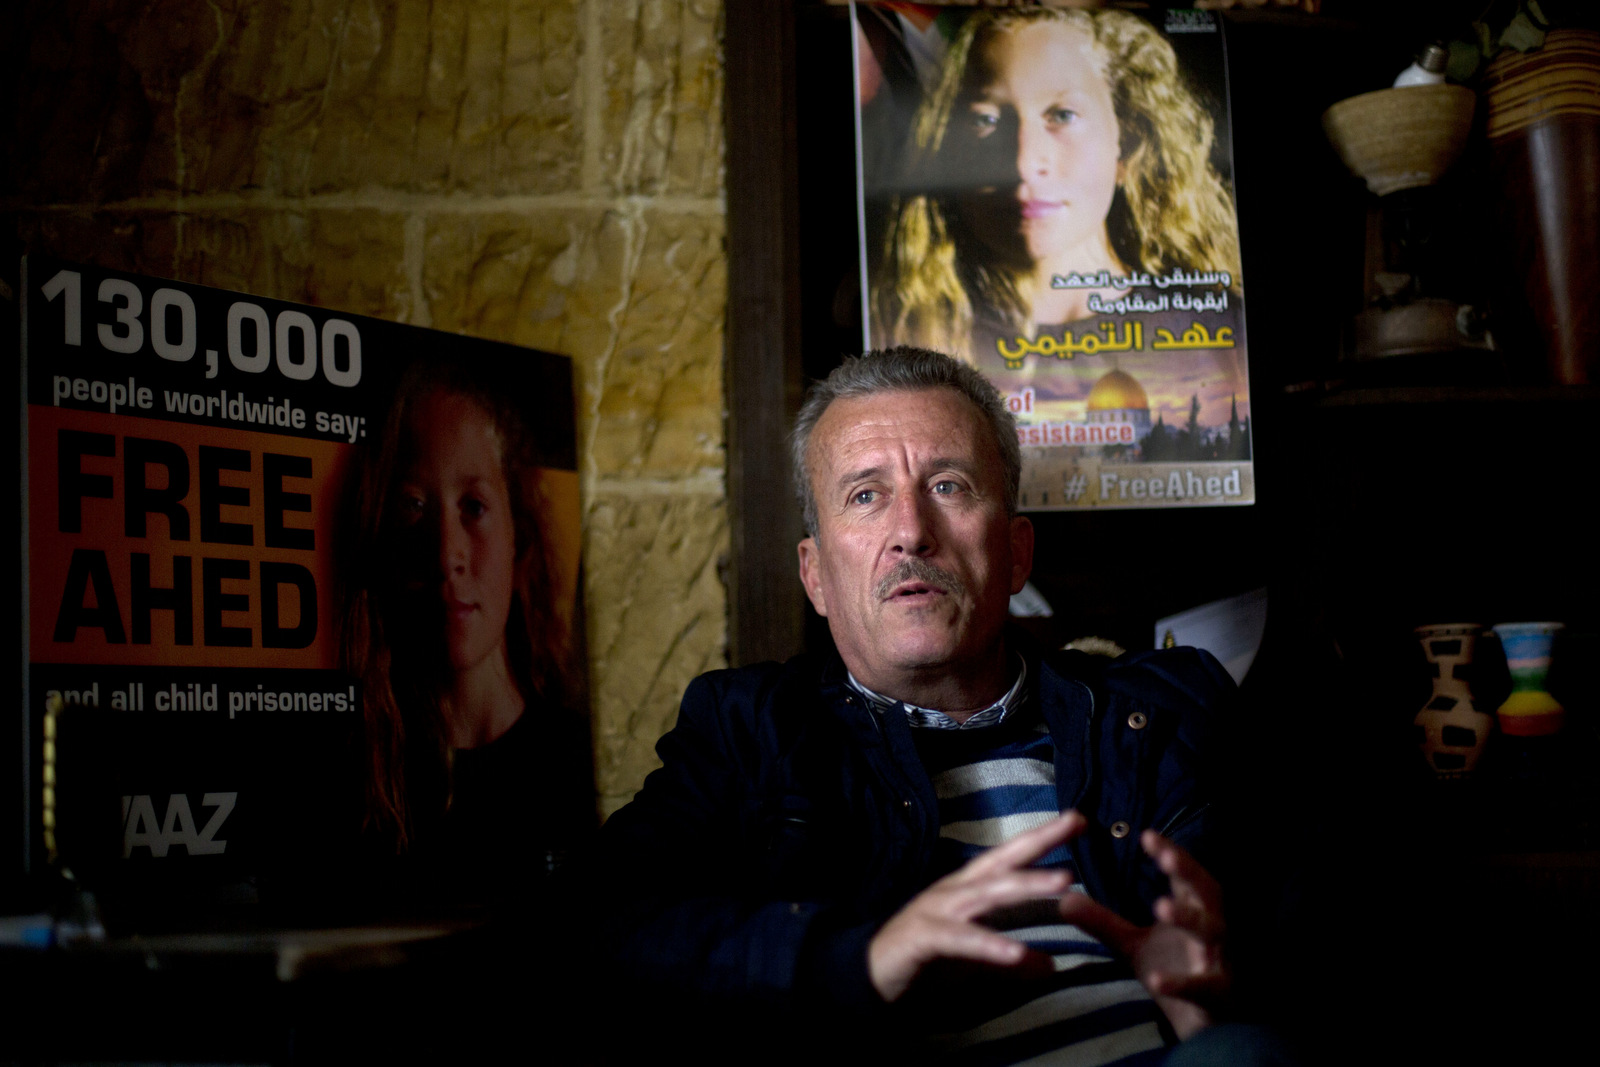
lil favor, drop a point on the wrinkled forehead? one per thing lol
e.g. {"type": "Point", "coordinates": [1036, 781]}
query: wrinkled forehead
{"type": "Point", "coordinates": [924, 423]}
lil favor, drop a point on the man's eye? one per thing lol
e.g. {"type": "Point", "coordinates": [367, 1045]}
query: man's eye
{"type": "Point", "coordinates": [865, 496]}
{"type": "Point", "coordinates": [946, 487]}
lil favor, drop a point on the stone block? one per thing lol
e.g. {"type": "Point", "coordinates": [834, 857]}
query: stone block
{"type": "Point", "coordinates": [140, 243]}
{"type": "Point", "coordinates": [636, 298]}
{"type": "Point", "coordinates": [659, 396]}
{"type": "Point", "coordinates": [86, 115]}
{"type": "Point", "coordinates": [663, 97]}
{"type": "Point", "coordinates": [351, 260]}
{"type": "Point", "coordinates": [346, 260]}
{"type": "Point", "coordinates": [480, 97]}
{"type": "Point", "coordinates": [656, 619]}
{"type": "Point", "coordinates": [548, 279]}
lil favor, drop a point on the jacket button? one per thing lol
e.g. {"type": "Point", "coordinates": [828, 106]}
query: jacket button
{"type": "Point", "coordinates": [1120, 829]}
{"type": "Point", "coordinates": [905, 805]}
{"type": "Point", "coordinates": [1138, 720]}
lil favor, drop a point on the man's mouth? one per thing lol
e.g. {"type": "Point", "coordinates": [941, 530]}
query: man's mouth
{"type": "Point", "coordinates": [917, 579]}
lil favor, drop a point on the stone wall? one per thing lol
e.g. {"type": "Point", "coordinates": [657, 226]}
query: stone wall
{"type": "Point", "coordinates": [544, 172]}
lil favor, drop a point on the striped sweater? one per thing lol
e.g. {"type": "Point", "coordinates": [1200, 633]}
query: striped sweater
{"type": "Point", "coordinates": [994, 775]}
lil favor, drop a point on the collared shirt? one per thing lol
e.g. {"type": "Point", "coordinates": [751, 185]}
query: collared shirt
{"type": "Point", "coordinates": [929, 719]}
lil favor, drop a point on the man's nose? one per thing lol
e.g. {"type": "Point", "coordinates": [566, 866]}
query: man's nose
{"type": "Point", "coordinates": [913, 525]}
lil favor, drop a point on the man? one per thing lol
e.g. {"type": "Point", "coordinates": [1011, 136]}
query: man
{"type": "Point", "coordinates": [836, 841]}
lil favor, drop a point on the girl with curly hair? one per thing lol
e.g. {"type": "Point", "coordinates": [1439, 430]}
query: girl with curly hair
{"type": "Point", "coordinates": [1057, 142]}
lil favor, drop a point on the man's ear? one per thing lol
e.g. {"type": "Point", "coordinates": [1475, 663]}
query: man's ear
{"type": "Point", "coordinates": [811, 574]}
{"type": "Point", "coordinates": [1021, 552]}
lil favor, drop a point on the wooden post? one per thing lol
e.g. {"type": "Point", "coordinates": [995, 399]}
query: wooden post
{"type": "Point", "coordinates": [762, 355]}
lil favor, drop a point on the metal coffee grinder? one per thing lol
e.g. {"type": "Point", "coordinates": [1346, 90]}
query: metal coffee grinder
{"type": "Point", "coordinates": [1402, 141]}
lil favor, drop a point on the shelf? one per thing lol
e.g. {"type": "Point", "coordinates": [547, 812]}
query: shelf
{"type": "Point", "coordinates": [1333, 395]}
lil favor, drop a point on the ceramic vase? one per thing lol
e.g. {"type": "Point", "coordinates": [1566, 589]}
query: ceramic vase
{"type": "Point", "coordinates": [1530, 711]}
{"type": "Point", "coordinates": [1451, 731]}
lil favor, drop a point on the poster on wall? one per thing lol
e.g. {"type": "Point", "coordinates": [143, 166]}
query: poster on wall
{"type": "Point", "coordinates": [1048, 194]}
{"type": "Point", "coordinates": [263, 542]}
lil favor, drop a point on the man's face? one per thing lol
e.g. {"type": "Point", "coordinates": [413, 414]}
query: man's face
{"type": "Point", "coordinates": [914, 559]}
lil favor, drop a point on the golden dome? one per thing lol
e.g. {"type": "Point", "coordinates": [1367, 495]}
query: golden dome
{"type": "Point", "coordinates": [1117, 391]}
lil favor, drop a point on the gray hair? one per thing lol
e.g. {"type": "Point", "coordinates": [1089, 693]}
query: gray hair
{"type": "Point", "coordinates": [903, 369]}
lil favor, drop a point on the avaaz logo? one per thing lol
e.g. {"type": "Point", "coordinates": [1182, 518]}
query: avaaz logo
{"type": "Point", "coordinates": [142, 828]}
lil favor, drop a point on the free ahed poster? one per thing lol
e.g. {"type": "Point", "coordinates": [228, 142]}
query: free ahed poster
{"type": "Point", "coordinates": [262, 542]}
{"type": "Point", "coordinates": [1047, 193]}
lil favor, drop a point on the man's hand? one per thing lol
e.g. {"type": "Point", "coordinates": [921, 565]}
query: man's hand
{"type": "Point", "coordinates": [941, 922]}
{"type": "Point", "coordinates": [1180, 958]}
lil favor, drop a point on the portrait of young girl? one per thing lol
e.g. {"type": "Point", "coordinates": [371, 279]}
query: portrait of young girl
{"type": "Point", "coordinates": [1055, 143]}
{"type": "Point", "coordinates": [477, 762]}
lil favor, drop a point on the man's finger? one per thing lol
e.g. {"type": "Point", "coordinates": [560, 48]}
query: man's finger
{"type": "Point", "coordinates": [1099, 921]}
{"type": "Point", "coordinates": [1029, 846]}
{"type": "Point", "coordinates": [1186, 911]}
{"type": "Point", "coordinates": [1176, 863]}
{"type": "Point", "coordinates": [912, 941]}
{"type": "Point", "coordinates": [1202, 989]}
{"type": "Point", "coordinates": [971, 897]}
{"type": "Point", "coordinates": [968, 941]}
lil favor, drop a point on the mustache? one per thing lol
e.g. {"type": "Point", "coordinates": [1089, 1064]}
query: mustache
{"type": "Point", "coordinates": [919, 570]}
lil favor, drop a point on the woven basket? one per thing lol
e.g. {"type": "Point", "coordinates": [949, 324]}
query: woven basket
{"type": "Point", "coordinates": [1401, 138]}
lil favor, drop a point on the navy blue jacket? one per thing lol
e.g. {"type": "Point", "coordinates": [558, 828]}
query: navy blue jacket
{"type": "Point", "coordinates": [789, 820]}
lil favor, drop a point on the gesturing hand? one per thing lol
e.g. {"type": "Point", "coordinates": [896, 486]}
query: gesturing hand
{"type": "Point", "coordinates": [941, 922]}
{"type": "Point", "coordinates": [1180, 958]}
